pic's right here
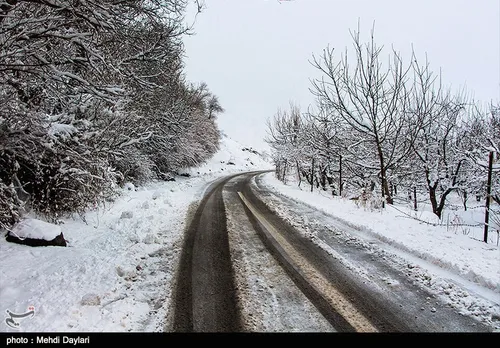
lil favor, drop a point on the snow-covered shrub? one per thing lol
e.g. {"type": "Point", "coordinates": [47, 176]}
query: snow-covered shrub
{"type": "Point", "coordinates": [60, 172]}
{"type": "Point", "coordinates": [134, 167]}
{"type": "Point", "coordinates": [97, 100]}
{"type": "Point", "coordinates": [10, 206]}
{"type": "Point", "coordinates": [74, 184]}
{"type": "Point", "coordinates": [369, 200]}
{"type": "Point", "coordinates": [183, 136]}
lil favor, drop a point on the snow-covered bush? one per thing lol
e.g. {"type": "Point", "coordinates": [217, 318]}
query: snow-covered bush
{"type": "Point", "coordinates": [9, 206]}
{"type": "Point", "coordinates": [96, 100]}
{"type": "Point", "coordinates": [60, 173]}
{"type": "Point", "coordinates": [184, 134]}
{"type": "Point", "coordinates": [370, 201]}
{"type": "Point", "coordinates": [134, 166]}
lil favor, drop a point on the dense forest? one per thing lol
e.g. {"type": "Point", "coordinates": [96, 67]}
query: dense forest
{"type": "Point", "coordinates": [93, 94]}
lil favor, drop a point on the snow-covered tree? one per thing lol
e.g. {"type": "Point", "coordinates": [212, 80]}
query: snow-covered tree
{"type": "Point", "coordinates": [324, 136]}
{"type": "Point", "coordinates": [439, 159]}
{"type": "Point", "coordinates": [284, 137]}
{"type": "Point", "coordinates": [371, 99]}
{"type": "Point", "coordinates": [84, 89]}
{"type": "Point", "coordinates": [481, 136]}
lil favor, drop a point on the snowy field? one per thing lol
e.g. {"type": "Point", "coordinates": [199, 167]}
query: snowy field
{"type": "Point", "coordinates": [118, 269]}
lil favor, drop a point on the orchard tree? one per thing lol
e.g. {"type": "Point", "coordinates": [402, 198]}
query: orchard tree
{"type": "Point", "coordinates": [371, 99]}
{"type": "Point", "coordinates": [284, 137]}
{"type": "Point", "coordinates": [324, 136]}
{"type": "Point", "coordinates": [439, 150]}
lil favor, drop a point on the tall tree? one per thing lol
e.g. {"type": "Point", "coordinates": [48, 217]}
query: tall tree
{"type": "Point", "coordinates": [371, 98]}
{"type": "Point", "coordinates": [284, 137]}
{"type": "Point", "coordinates": [438, 148]}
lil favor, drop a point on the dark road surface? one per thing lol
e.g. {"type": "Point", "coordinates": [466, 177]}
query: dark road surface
{"type": "Point", "coordinates": [205, 297]}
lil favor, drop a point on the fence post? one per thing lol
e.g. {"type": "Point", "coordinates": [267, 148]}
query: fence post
{"type": "Point", "coordinates": [488, 194]}
{"type": "Point", "coordinates": [415, 198]}
{"type": "Point", "coordinates": [312, 174]}
{"type": "Point", "coordinates": [340, 175]}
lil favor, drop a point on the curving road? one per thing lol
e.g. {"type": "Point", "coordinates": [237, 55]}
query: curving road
{"type": "Point", "coordinates": [210, 295]}
{"type": "Point", "coordinates": [205, 295]}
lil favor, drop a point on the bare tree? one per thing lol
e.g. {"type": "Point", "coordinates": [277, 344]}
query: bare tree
{"type": "Point", "coordinates": [324, 137]}
{"type": "Point", "coordinates": [439, 152]}
{"type": "Point", "coordinates": [371, 98]}
{"type": "Point", "coordinates": [284, 138]}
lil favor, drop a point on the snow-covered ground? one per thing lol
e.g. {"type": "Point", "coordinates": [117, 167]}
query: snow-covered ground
{"type": "Point", "coordinates": [118, 269]}
{"type": "Point", "coordinates": [117, 272]}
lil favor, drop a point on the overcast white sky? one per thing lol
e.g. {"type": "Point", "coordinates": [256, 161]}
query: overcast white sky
{"type": "Point", "coordinates": [254, 54]}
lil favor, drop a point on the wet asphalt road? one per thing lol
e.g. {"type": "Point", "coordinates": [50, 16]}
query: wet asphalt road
{"type": "Point", "coordinates": [205, 297]}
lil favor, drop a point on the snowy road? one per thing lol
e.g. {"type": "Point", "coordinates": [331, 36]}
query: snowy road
{"type": "Point", "coordinates": [244, 268]}
{"type": "Point", "coordinates": [205, 294]}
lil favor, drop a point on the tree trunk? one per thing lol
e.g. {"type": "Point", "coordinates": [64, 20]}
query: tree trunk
{"type": "Point", "coordinates": [488, 195]}
{"type": "Point", "coordinates": [415, 198]}
{"type": "Point", "coordinates": [323, 179]}
{"type": "Point", "coordinates": [385, 185]}
{"type": "Point", "coordinates": [298, 172]}
{"type": "Point", "coordinates": [465, 199]}
{"type": "Point", "coordinates": [284, 172]}
{"type": "Point", "coordinates": [442, 201]}
{"type": "Point", "coordinates": [385, 188]}
{"type": "Point", "coordinates": [438, 208]}
{"type": "Point", "coordinates": [312, 175]}
{"type": "Point", "coordinates": [434, 204]}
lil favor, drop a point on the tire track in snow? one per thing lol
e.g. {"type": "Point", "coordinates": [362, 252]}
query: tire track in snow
{"type": "Point", "coordinates": [204, 297]}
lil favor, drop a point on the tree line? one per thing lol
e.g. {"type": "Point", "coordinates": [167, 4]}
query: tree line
{"type": "Point", "coordinates": [385, 129]}
{"type": "Point", "coordinates": [93, 94]}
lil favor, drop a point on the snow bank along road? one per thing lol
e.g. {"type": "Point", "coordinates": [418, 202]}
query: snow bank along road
{"type": "Point", "coordinates": [244, 268]}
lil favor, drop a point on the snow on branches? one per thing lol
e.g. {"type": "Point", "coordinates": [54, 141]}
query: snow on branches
{"type": "Point", "coordinates": [92, 94]}
{"type": "Point", "coordinates": [389, 127]}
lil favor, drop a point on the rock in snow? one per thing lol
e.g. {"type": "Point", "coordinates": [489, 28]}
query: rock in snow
{"type": "Point", "coordinates": [91, 300]}
{"type": "Point", "coordinates": [120, 271]}
{"type": "Point", "coordinates": [127, 215]}
{"type": "Point", "coordinates": [34, 232]}
{"type": "Point", "coordinates": [129, 186]}
{"type": "Point", "coordinates": [149, 239]}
